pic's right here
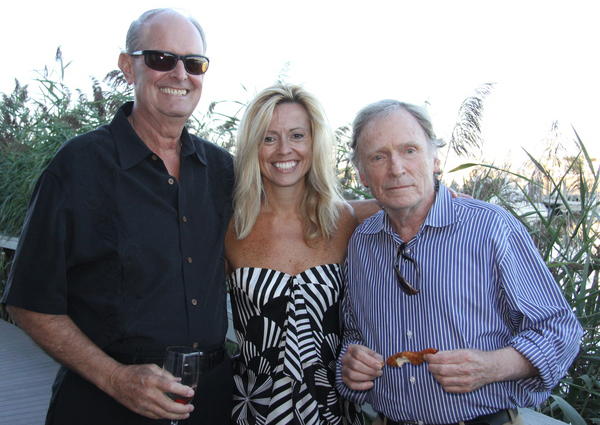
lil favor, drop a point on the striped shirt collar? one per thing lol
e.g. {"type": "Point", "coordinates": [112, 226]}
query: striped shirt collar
{"type": "Point", "coordinates": [441, 214]}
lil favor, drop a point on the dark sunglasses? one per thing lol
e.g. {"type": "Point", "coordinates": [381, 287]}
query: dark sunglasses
{"type": "Point", "coordinates": [406, 287]}
{"type": "Point", "coordinates": [167, 61]}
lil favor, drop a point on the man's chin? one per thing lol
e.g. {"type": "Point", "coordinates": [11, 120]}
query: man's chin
{"type": "Point", "coordinates": [178, 113]}
{"type": "Point", "coordinates": [399, 199]}
{"type": "Point", "coordinates": [179, 108]}
{"type": "Point", "coordinates": [396, 204]}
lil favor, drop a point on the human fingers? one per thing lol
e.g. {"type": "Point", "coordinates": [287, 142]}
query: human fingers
{"type": "Point", "coordinates": [456, 194]}
{"type": "Point", "coordinates": [360, 366]}
{"type": "Point", "coordinates": [366, 356]}
{"type": "Point", "coordinates": [177, 392]}
{"type": "Point", "coordinates": [141, 388]}
{"type": "Point", "coordinates": [460, 371]}
{"type": "Point", "coordinates": [362, 359]}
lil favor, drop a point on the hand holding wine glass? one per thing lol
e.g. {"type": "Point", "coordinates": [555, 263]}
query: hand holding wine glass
{"type": "Point", "coordinates": [182, 363]}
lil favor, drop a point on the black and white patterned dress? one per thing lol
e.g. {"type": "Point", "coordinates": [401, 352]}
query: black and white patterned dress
{"type": "Point", "coordinates": [288, 328]}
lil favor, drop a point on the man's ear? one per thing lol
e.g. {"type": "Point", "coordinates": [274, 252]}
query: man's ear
{"type": "Point", "coordinates": [363, 179]}
{"type": "Point", "coordinates": [127, 67]}
{"type": "Point", "coordinates": [436, 165]}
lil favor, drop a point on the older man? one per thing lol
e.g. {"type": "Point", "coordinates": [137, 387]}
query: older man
{"type": "Point", "coordinates": [454, 274]}
{"type": "Point", "coordinates": [121, 252]}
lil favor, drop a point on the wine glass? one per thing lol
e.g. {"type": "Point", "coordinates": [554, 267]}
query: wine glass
{"type": "Point", "coordinates": [183, 363]}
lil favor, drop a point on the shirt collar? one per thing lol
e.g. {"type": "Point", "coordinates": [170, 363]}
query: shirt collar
{"type": "Point", "coordinates": [442, 211]}
{"type": "Point", "coordinates": [441, 214]}
{"type": "Point", "coordinates": [132, 149]}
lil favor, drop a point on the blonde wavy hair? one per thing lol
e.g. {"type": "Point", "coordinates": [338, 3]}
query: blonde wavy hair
{"type": "Point", "coordinates": [322, 201]}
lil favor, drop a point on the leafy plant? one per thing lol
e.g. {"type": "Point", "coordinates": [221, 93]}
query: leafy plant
{"type": "Point", "coordinates": [32, 130]}
{"type": "Point", "coordinates": [560, 206]}
{"type": "Point", "coordinates": [466, 134]}
{"type": "Point", "coordinates": [349, 180]}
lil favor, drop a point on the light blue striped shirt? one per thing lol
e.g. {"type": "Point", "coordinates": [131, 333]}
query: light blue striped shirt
{"type": "Point", "coordinates": [483, 286]}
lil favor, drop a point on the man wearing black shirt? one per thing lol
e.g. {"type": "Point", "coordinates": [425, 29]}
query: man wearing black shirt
{"type": "Point", "coordinates": [121, 252]}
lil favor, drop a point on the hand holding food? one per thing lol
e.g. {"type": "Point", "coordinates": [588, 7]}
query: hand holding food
{"type": "Point", "coordinates": [414, 357]}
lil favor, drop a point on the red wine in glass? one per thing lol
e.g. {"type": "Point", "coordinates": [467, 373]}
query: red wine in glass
{"type": "Point", "coordinates": [183, 363]}
{"type": "Point", "coordinates": [180, 399]}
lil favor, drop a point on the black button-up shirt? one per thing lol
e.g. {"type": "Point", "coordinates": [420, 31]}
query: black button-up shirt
{"type": "Point", "coordinates": [133, 256]}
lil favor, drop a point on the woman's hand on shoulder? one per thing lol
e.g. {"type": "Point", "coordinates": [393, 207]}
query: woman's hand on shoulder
{"type": "Point", "coordinates": [364, 209]}
{"type": "Point", "coordinates": [456, 194]}
{"type": "Point", "coordinates": [347, 221]}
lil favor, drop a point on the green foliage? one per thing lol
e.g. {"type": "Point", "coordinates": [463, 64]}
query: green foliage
{"type": "Point", "coordinates": [32, 130]}
{"type": "Point", "coordinates": [352, 188]}
{"type": "Point", "coordinates": [560, 207]}
{"type": "Point", "coordinates": [485, 183]}
{"type": "Point", "coordinates": [218, 126]}
{"type": "Point", "coordinates": [466, 134]}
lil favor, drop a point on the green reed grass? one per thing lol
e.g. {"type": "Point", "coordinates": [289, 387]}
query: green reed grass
{"type": "Point", "coordinates": [567, 236]}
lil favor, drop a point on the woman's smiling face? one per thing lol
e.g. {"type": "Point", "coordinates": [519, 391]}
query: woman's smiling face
{"type": "Point", "coordinates": [286, 153]}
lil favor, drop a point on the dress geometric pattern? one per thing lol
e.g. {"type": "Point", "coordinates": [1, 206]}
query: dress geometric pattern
{"type": "Point", "coordinates": [288, 329]}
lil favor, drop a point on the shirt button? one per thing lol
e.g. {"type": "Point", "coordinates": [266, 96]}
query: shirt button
{"type": "Point", "coordinates": [408, 250]}
{"type": "Point", "coordinates": [413, 380]}
{"type": "Point", "coordinates": [171, 181]}
{"type": "Point", "coordinates": [194, 301]}
{"type": "Point", "coordinates": [409, 334]}
{"type": "Point", "coordinates": [195, 345]}
{"type": "Point", "coordinates": [184, 219]}
{"type": "Point", "coordinates": [154, 157]}
{"type": "Point", "coordinates": [189, 260]}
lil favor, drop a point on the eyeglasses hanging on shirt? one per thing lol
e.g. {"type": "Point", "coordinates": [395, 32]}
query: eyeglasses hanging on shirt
{"type": "Point", "coordinates": [404, 285]}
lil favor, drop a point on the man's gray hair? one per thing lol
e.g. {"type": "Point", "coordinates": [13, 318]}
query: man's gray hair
{"type": "Point", "coordinates": [382, 109]}
{"type": "Point", "coordinates": [133, 40]}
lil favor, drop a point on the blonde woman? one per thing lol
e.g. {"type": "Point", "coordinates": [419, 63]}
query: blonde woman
{"type": "Point", "coordinates": [284, 250]}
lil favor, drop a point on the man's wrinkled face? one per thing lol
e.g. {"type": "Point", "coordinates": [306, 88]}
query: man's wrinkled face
{"type": "Point", "coordinates": [397, 161]}
{"type": "Point", "coordinates": [175, 93]}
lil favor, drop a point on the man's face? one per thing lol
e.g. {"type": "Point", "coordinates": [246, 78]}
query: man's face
{"type": "Point", "coordinates": [160, 96]}
{"type": "Point", "coordinates": [398, 163]}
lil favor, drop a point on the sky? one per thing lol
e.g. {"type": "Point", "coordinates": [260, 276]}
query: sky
{"type": "Point", "coordinates": [543, 56]}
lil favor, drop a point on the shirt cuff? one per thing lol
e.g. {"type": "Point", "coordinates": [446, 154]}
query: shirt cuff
{"type": "Point", "coordinates": [540, 354]}
{"type": "Point", "coordinates": [359, 397]}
